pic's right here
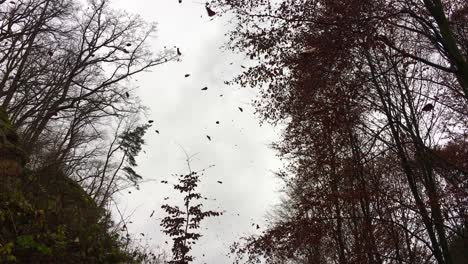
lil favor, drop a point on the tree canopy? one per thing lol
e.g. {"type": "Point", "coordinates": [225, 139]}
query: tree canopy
{"type": "Point", "coordinates": [70, 128]}
{"type": "Point", "coordinates": [373, 95]}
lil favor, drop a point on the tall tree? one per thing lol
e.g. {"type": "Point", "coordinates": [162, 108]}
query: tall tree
{"type": "Point", "coordinates": [65, 72]}
{"type": "Point", "coordinates": [361, 84]}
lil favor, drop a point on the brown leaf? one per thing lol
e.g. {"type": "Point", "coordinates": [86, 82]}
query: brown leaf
{"type": "Point", "coordinates": [428, 107]}
{"type": "Point", "coordinates": [210, 12]}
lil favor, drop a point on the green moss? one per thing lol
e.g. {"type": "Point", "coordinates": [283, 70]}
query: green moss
{"type": "Point", "coordinates": [45, 217]}
{"type": "Point", "coordinates": [48, 218]}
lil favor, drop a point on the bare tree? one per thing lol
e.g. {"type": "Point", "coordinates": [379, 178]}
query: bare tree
{"type": "Point", "coordinates": [66, 68]}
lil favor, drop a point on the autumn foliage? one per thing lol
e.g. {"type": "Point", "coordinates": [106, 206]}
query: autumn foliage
{"type": "Point", "coordinates": [373, 95]}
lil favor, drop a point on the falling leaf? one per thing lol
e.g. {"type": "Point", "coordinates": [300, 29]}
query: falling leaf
{"type": "Point", "coordinates": [308, 51]}
{"type": "Point", "coordinates": [204, 88]}
{"type": "Point", "coordinates": [428, 107]}
{"type": "Point", "coordinates": [240, 109]}
{"type": "Point", "coordinates": [157, 131]}
{"type": "Point", "coordinates": [208, 137]}
{"type": "Point", "coordinates": [220, 182]}
{"type": "Point", "coordinates": [178, 52]}
{"type": "Point", "coordinates": [151, 215]}
{"type": "Point", "coordinates": [210, 12]}
{"type": "Point", "coordinates": [242, 66]}
{"type": "Point", "coordinates": [142, 234]}
{"type": "Point", "coordinates": [187, 75]}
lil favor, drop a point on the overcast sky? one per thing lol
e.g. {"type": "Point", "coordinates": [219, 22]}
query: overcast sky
{"type": "Point", "coordinates": [184, 115]}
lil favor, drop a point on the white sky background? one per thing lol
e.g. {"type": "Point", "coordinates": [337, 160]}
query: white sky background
{"type": "Point", "coordinates": [184, 115]}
